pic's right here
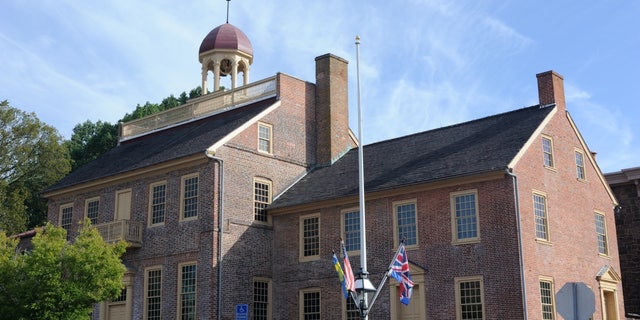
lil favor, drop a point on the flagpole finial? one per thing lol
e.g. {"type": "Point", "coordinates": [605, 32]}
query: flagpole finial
{"type": "Point", "coordinates": [357, 39]}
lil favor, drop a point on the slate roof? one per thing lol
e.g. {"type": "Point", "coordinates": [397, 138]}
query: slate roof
{"type": "Point", "coordinates": [166, 145]}
{"type": "Point", "coordinates": [473, 147]}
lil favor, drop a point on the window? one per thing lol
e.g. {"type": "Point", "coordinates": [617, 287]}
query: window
{"type": "Point", "coordinates": [153, 294]}
{"type": "Point", "coordinates": [187, 293]}
{"type": "Point", "coordinates": [261, 199]}
{"type": "Point", "coordinates": [189, 197]}
{"type": "Point", "coordinates": [261, 299]}
{"type": "Point", "coordinates": [465, 216]}
{"type": "Point", "coordinates": [66, 214]}
{"type": "Point", "coordinates": [601, 233]}
{"type": "Point", "coordinates": [406, 223]}
{"type": "Point", "coordinates": [92, 207]}
{"type": "Point", "coordinates": [469, 298]}
{"type": "Point", "coordinates": [351, 228]}
{"type": "Point", "coordinates": [264, 137]}
{"type": "Point", "coordinates": [351, 310]}
{"type": "Point", "coordinates": [122, 297]}
{"type": "Point", "coordinates": [580, 166]}
{"type": "Point", "coordinates": [157, 200]}
{"type": "Point", "coordinates": [310, 237]}
{"type": "Point", "coordinates": [547, 152]}
{"type": "Point", "coordinates": [540, 213]}
{"type": "Point", "coordinates": [310, 304]}
{"type": "Point", "coordinates": [546, 299]}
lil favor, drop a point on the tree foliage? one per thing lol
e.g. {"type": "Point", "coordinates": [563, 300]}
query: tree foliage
{"type": "Point", "coordinates": [89, 140]}
{"type": "Point", "coordinates": [58, 279]}
{"type": "Point", "coordinates": [32, 156]}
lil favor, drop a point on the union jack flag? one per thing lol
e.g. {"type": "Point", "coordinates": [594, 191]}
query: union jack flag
{"type": "Point", "coordinates": [399, 270]}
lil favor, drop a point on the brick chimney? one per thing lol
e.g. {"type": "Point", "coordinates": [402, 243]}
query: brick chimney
{"type": "Point", "coordinates": [332, 111]}
{"type": "Point", "coordinates": [551, 89]}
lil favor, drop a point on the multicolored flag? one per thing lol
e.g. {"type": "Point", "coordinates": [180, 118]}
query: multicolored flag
{"type": "Point", "coordinates": [336, 264]}
{"type": "Point", "coordinates": [399, 270]}
{"type": "Point", "coordinates": [348, 272]}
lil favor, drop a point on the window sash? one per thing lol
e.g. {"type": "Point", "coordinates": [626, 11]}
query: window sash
{"type": "Point", "coordinates": [154, 294]}
{"type": "Point", "coordinates": [406, 220]}
{"type": "Point", "coordinates": [351, 221]}
{"type": "Point", "coordinates": [66, 216]}
{"type": "Point", "coordinates": [158, 200]}
{"type": "Point", "coordinates": [546, 300]}
{"type": "Point", "coordinates": [541, 219]}
{"type": "Point", "coordinates": [601, 233]}
{"type": "Point", "coordinates": [262, 198]}
{"type": "Point", "coordinates": [470, 303]}
{"type": "Point", "coordinates": [311, 305]}
{"type": "Point", "coordinates": [188, 277]}
{"type": "Point", "coordinates": [547, 150]}
{"type": "Point", "coordinates": [190, 198]}
{"type": "Point", "coordinates": [93, 208]}
{"type": "Point", "coordinates": [311, 237]}
{"type": "Point", "coordinates": [261, 300]}
{"type": "Point", "coordinates": [264, 138]}
{"type": "Point", "coordinates": [466, 219]}
{"type": "Point", "coordinates": [580, 166]}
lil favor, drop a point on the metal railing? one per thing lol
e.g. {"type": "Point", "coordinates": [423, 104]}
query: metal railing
{"type": "Point", "coordinates": [129, 231]}
{"type": "Point", "coordinates": [209, 104]}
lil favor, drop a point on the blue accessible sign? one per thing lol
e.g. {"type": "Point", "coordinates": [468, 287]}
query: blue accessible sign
{"type": "Point", "coordinates": [242, 311]}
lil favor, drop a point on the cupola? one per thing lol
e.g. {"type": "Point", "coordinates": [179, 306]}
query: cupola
{"type": "Point", "coordinates": [226, 51]}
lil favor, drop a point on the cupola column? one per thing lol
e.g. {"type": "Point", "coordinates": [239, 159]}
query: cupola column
{"type": "Point", "coordinates": [216, 76]}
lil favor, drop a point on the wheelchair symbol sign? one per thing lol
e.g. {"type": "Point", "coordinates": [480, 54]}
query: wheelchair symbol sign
{"type": "Point", "coordinates": [242, 311]}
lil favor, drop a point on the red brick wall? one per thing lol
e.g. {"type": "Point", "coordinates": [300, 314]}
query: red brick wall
{"type": "Point", "coordinates": [572, 254]}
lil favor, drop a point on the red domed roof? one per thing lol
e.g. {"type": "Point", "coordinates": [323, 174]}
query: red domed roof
{"type": "Point", "coordinates": [226, 36]}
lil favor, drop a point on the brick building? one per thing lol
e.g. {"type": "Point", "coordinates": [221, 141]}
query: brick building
{"type": "Point", "coordinates": [625, 185]}
{"type": "Point", "coordinates": [239, 196]}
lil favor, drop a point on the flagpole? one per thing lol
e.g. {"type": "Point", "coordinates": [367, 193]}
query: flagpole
{"type": "Point", "coordinates": [363, 237]}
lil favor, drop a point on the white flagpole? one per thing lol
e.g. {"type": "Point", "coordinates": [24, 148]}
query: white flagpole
{"type": "Point", "coordinates": [363, 236]}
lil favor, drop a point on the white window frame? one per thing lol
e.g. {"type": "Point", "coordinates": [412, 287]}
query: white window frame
{"type": "Point", "coordinates": [454, 219]}
{"type": "Point", "coordinates": [302, 238]}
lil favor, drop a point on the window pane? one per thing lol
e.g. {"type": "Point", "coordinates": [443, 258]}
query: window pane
{"type": "Point", "coordinates": [601, 233]}
{"type": "Point", "coordinates": [466, 219]}
{"type": "Point", "coordinates": [547, 152]}
{"type": "Point", "coordinates": [154, 294]}
{"type": "Point", "coordinates": [188, 292]}
{"type": "Point", "coordinates": [352, 230]}
{"type": "Point", "coordinates": [264, 138]}
{"type": "Point", "coordinates": [546, 296]}
{"type": "Point", "coordinates": [260, 300]}
{"type": "Point", "coordinates": [190, 204]}
{"type": "Point", "coordinates": [470, 300]}
{"type": "Point", "coordinates": [540, 210]}
{"type": "Point", "coordinates": [406, 215]}
{"type": "Point", "coordinates": [158, 203]}
{"type": "Point", "coordinates": [65, 220]}
{"type": "Point", "coordinates": [311, 307]}
{"type": "Point", "coordinates": [262, 198]}
{"type": "Point", "coordinates": [92, 211]}
{"type": "Point", "coordinates": [311, 236]}
{"type": "Point", "coordinates": [580, 165]}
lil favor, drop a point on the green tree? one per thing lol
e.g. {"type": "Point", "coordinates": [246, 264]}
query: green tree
{"type": "Point", "coordinates": [32, 157]}
{"type": "Point", "coordinates": [58, 279]}
{"type": "Point", "coordinates": [89, 140]}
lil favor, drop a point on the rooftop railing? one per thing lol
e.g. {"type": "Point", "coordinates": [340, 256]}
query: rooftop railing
{"type": "Point", "coordinates": [206, 105]}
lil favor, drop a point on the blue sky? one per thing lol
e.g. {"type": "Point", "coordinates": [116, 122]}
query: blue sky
{"type": "Point", "coordinates": [423, 63]}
